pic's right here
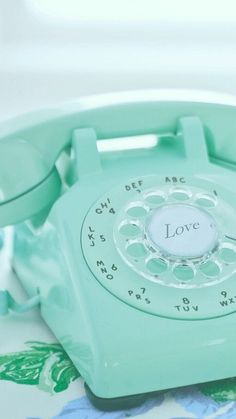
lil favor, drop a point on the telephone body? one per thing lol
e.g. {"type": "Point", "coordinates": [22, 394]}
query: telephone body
{"type": "Point", "coordinates": [134, 262]}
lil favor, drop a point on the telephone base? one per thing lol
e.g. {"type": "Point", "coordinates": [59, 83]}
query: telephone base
{"type": "Point", "coordinates": [118, 403]}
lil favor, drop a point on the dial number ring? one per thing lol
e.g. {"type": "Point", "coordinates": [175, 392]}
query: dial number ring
{"type": "Point", "coordinates": [134, 270]}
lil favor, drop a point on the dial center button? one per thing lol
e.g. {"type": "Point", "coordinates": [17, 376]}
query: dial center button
{"type": "Point", "coordinates": [182, 231]}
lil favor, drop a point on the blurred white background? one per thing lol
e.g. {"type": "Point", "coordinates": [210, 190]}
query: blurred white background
{"type": "Point", "coordinates": [54, 50]}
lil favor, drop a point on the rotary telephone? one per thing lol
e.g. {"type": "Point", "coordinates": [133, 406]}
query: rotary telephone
{"type": "Point", "coordinates": [130, 251]}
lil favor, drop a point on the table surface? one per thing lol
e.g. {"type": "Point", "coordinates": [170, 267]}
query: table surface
{"type": "Point", "coordinates": [38, 380]}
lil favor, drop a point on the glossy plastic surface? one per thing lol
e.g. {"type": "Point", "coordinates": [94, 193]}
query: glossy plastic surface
{"type": "Point", "coordinates": [120, 346]}
{"type": "Point", "coordinates": [34, 142]}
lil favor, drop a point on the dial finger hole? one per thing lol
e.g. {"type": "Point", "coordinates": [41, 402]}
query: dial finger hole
{"type": "Point", "coordinates": [155, 198]}
{"type": "Point", "coordinates": [129, 229]}
{"type": "Point", "coordinates": [183, 272]}
{"type": "Point", "coordinates": [180, 195]}
{"type": "Point", "coordinates": [210, 269]}
{"type": "Point", "coordinates": [205, 201]}
{"type": "Point", "coordinates": [227, 254]}
{"type": "Point", "coordinates": [156, 265]}
{"type": "Point", "coordinates": [137, 211]}
{"type": "Point", "coordinates": [136, 250]}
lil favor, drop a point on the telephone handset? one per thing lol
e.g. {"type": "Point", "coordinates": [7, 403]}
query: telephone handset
{"type": "Point", "coordinates": [133, 259]}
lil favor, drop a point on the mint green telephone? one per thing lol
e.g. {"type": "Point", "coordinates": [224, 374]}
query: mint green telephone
{"type": "Point", "coordinates": [131, 254]}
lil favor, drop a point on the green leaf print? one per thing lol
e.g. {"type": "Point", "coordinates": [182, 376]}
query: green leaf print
{"type": "Point", "coordinates": [45, 365]}
{"type": "Point", "coordinates": [220, 391]}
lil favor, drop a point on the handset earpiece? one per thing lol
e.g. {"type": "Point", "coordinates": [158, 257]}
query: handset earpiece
{"type": "Point", "coordinates": [27, 184]}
